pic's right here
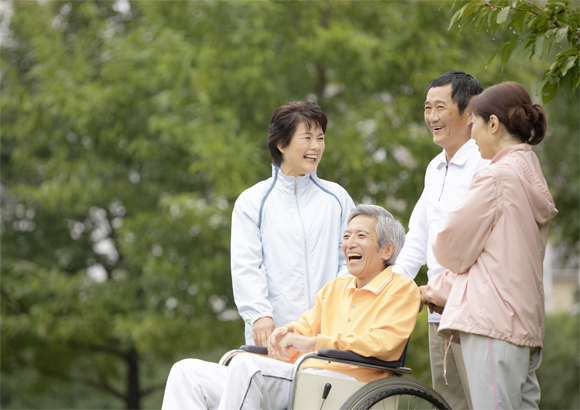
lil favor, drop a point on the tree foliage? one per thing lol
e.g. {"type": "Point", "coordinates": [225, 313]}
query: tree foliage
{"type": "Point", "coordinates": [537, 27]}
{"type": "Point", "coordinates": [128, 131]}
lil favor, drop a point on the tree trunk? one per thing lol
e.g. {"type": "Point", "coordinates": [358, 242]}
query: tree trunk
{"type": "Point", "coordinates": [133, 399]}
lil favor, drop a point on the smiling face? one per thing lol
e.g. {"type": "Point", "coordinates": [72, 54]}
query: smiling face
{"type": "Point", "coordinates": [304, 152]}
{"type": "Point", "coordinates": [364, 258]}
{"type": "Point", "coordinates": [449, 128]}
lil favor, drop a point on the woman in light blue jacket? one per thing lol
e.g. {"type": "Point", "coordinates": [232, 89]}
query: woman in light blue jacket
{"type": "Point", "coordinates": [287, 230]}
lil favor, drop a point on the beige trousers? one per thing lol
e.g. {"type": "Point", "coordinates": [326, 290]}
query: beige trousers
{"type": "Point", "coordinates": [456, 390]}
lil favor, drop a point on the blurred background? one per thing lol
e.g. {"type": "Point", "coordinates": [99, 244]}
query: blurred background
{"type": "Point", "coordinates": [130, 128]}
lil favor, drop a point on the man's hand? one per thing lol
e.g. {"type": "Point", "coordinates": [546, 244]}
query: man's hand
{"type": "Point", "coordinates": [294, 341]}
{"type": "Point", "coordinates": [435, 308]}
{"type": "Point", "coordinates": [275, 339]}
{"type": "Point", "coordinates": [263, 328]}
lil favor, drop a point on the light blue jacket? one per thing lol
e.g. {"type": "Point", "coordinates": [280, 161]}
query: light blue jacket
{"type": "Point", "coordinates": [286, 245]}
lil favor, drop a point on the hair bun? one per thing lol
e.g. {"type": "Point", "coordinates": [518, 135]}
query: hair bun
{"type": "Point", "coordinates": [519, 120]}
{"type": "Point", "coordinates": [529, 120]}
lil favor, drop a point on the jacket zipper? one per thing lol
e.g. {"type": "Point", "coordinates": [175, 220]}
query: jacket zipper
{"type": "Point", "coordinates": [307, 278]}
{"type": "Point", "coordinates": [444, 178]}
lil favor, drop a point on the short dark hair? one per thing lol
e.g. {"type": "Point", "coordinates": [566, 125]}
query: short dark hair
{"type": "Point", "coordinates": [463, 87]}
{"type": "Point", "coordinates": [513, 106]}
{"type": "Point", "coordinates": [285, 120]}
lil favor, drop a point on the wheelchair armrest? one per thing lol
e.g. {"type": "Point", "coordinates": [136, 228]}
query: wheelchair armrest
{"type": "Point", "coordinates": [255, 349]}
{"type": "Point", "coordinates": [354, 357]}
{"type": "Point", "coordinates": [341, 354]}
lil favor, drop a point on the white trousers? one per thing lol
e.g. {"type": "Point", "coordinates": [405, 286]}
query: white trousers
{"type": "Point", "coordinates": [501, 375]}
{"type": "Point", "coordinates": [249, 382]}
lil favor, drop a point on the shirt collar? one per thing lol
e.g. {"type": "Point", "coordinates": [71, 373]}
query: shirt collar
{"type": "Point", "coordinates": [377, 284]}
{"type": "Point", "coordinates": [461, 156]}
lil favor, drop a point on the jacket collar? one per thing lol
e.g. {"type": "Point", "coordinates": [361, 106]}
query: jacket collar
{"type": "Point", "coordinates": [287, 183]}
{"type": "Point", "coordinates": [461, 156]}
{"type": "Point", "coordinates": [509, 150]}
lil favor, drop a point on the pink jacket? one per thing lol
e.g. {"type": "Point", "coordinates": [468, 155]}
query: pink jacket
{"type": "Point", "coordinates": [495, 242]}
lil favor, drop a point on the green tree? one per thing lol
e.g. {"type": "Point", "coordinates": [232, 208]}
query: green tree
{"type": "Point", "coordinates": [128, 131]}
{"type": "Point", "coordinates": [537, 27]}
{"type": "Point", "coordinates": [559, 374]}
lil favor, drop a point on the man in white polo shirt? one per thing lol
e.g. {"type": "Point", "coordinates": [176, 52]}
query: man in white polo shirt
{"type": "Point", "coordinates": [447, 178]}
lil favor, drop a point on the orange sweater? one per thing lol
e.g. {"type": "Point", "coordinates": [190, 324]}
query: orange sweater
{"type": "Point", "coordinates": [374, 321]}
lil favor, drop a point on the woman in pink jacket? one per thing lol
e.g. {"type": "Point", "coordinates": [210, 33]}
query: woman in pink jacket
{"type": "Point", "coordinates": [494, 245]}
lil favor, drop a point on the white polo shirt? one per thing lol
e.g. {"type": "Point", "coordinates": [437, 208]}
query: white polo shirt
{"type": "Point", "coordinates": [445, 185]}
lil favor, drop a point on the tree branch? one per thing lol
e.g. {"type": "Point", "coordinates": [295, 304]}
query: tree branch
{"type": "Point", "coordinates": [100, 385]}
{"type": "Point", "coordinates": [98, 349]}
{"type": "Point", "coordinates": [531, 3]}
{"type": "Point", "coordinates": [528, 10]}
{"type": "Point", "coordinates": [509, 7]}
{"type": "Point", "coordinates": [152, 389]}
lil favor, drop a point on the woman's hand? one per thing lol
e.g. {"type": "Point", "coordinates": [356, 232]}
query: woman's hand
{"type": "Point", "coordinates": [425, 300]}
{"type": "Point", "coordinates": [263, 328]}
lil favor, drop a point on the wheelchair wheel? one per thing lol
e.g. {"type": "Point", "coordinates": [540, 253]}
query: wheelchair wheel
{"type": "Point", "coordinates": [395, 393]}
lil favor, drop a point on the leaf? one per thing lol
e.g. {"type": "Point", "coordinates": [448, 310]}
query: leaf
{"type": "Point", "coordinates": [539, 46]}
{"type": "Point", "coordinates": [503, 15]}
{"type": "Point", "coordinates": [561, 33]}
{"type": "Point", "coordinates": [520, 51]}
{"type": "Point", "coordinates": [570, 61]}
{"type": "Point", "coordinates": [456, 17]}
{"type": "Point", "coordinates": [573, 50]}
{"type": "Point", "coordinates": [549, 90]}
{"type": "Point", "coordinates": [557, 5]}
{"type": "Point", "coordinates": [507, 51]}
{"type": "Point", "coordinates": [495, 53]}
{"type": "Point", "coordinates": [517, 21]}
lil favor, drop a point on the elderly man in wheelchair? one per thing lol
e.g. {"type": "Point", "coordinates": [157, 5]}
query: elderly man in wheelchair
{"type": "Point", "coordinates": [346, 352]}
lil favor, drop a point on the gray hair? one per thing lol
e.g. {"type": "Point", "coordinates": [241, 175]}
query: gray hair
{"type": "Point", "coordinates": [387, 228]}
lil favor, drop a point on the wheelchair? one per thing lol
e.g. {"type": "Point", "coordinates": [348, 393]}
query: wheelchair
{"type": "Point", "coordinates": [312, 391]}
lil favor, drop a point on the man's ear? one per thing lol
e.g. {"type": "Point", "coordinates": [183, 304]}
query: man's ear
{"type": "Point", "coordinates": [280, 148]}
{"type": "Point", "coordinates": [388, 251]}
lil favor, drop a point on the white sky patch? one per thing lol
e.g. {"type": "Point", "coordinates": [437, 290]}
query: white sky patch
{"type": "Point", "coordinates": [228, 315]}
{"type": "Point", "coordinates": [6, 13]}
{"type": "Point", "coordinates": [171, 303]}
{"type": "Point", "coordinates": [367, 127]}
{"type": "Point", "coordinates": [404, 157]}
{"type": "Point", "coordinates": [122, 6]}
{"type": "Point", "coordinates": [107, 247]}
{"type": "Point", "coordinates": [97, 273]}
{"type": "Point", "coordinates": [380, 155]}
{"type": "Point", "coordinates": [218, 304]}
